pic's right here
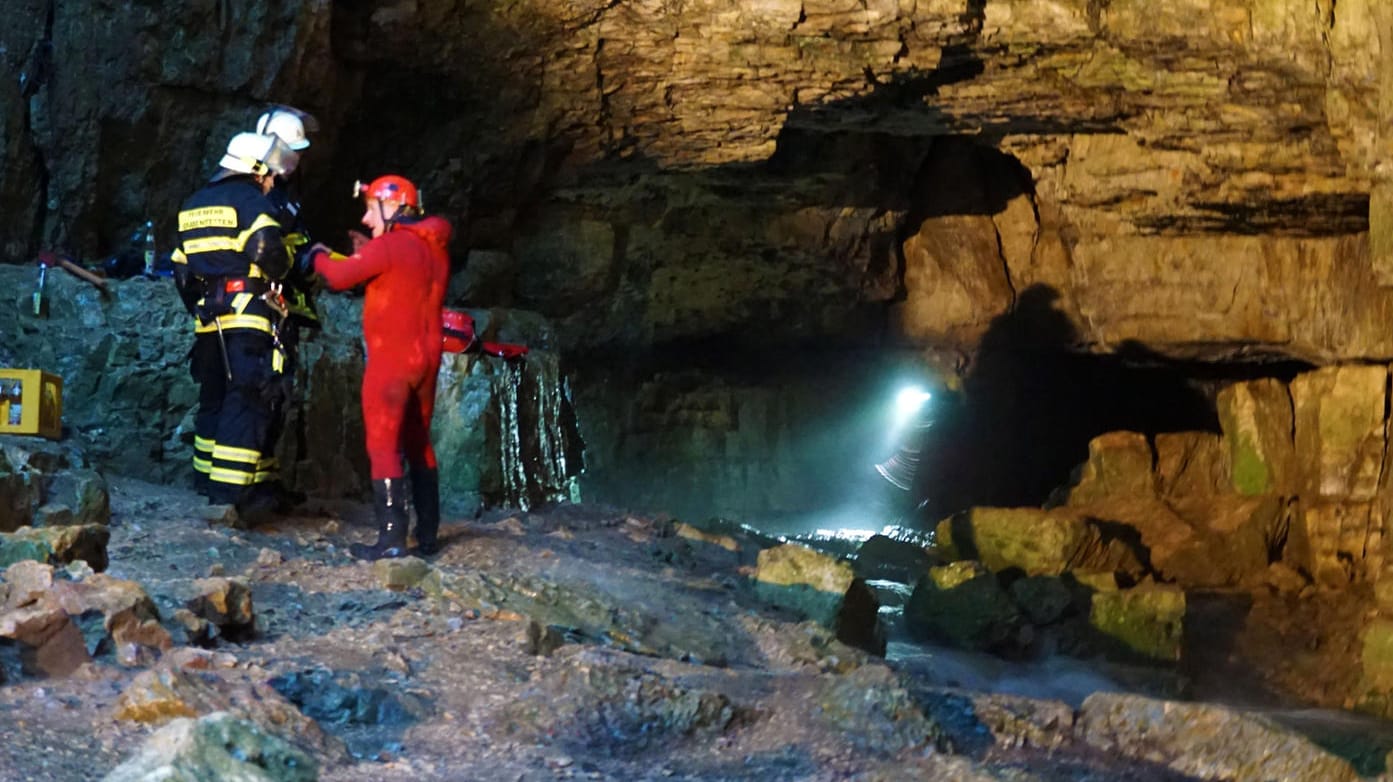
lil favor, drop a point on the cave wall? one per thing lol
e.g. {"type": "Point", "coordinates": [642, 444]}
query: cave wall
{"type": "Point", "coordinates": [1202, 181]}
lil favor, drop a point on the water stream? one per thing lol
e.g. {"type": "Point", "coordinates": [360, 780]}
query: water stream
{"type": "Point", "coordinates": [539, 450]}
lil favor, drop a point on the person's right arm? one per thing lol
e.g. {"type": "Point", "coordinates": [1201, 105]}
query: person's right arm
{"type": "Point", "coordinates": [343, 272]}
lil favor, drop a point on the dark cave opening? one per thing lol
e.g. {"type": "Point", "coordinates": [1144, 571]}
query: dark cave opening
{"type": "Point", "coordinates": [788, 441]}
{"type": "Point", "coordinates": [1021, 424]}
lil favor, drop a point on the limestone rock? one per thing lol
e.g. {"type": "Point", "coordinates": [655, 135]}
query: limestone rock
{"type": "Point", "coordinates": [1142, 623]}
{"type": "Point", "coordinates": [1337, 542]}
{"type": "Point", "coordinates": [216, 746]}
{"type": "Point", "coordinates": [872, 708]}
{"type": "Point", "coordinates": [822, 589]}
{"type": "Point", "coordinates": [163, 694]}
{"type": "Point", "coordinates": [1340, 430]}
{"type": "Point", "coordinates": [1234, 542]}
{"type": "Point", "coordinates": [225, 604]}
{"type": "Point", "coordinates": [1038, 542]}
{"type": "Point", "coordinates": [1205, 741]}
{"type": "Point", "coordinates": [1190, 466]}
{"type": "Point", "coordinates": [883, 557]}
{"type": "Point", "coordinates": [56, 545]}
{"type": "Point", "coordinates": [1256, 417]}
{"type": "Point", "coordinates": [1119, 464]}
{"type": "Point", "coordinates": [400, 574]}
{"type": "Point", "coordinates": [963, 603]}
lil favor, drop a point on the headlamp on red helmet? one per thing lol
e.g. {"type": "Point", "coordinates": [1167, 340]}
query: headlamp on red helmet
{"type": "Point", "coordinates": [390, 187]}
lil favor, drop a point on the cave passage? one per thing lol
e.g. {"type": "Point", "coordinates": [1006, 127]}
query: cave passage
{"type": "Point", "coordinates": [1021, 424]}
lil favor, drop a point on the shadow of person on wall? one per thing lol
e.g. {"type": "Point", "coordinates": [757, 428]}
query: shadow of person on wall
{"type": "Point", "coordinates": [1032, 401]}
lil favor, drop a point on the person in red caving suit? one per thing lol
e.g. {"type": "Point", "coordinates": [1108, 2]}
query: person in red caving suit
{"type": "Point", "coordinates": [406, 268]}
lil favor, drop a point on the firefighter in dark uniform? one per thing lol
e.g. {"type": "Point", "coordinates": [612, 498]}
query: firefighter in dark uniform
{"type": "Point", "coordinates": [229, 266]}
{"type": "Point", "coordinates": [289, 125]}
{"type": "Point", "coordinates": [302, 317]}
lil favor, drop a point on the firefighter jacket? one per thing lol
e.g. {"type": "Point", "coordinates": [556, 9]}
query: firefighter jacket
{"type": "Point", "coordinates": [231, 255]}
{"type": "Point", "coordinates": [300, 282]}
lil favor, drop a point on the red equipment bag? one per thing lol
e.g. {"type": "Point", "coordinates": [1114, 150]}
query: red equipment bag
{"type": "Point", "coordinates": [504, 349]}
{"type": "Point", "coordinates": [460, 337]}
{"type": "Point", "coordinates": [458, 331]}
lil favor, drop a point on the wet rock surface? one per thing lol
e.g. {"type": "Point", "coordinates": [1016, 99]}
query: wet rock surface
{"type": "Point", "coordinates": [586, 642]}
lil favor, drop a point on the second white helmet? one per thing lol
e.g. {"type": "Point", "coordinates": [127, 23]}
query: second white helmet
{"type": "Point", "coordinates": [286, 124]}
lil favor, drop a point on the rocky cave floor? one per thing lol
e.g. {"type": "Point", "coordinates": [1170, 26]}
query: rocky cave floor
{"type": "Point", "coordinates": [692, 680]}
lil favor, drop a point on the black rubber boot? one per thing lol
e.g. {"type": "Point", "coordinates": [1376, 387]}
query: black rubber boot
{"type": "Point", "coordinates": [425, 495]}
{"type": "Point", "coordinates": [389, 504]}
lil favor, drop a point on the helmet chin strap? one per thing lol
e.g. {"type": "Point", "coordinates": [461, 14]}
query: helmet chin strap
{"type": "Point", "coordinates": [386, 220]}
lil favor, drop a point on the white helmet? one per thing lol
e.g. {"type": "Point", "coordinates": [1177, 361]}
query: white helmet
{"type": "Point", "coordinates": [287, 124]}
{"type": "Point", "coordinates": [255, 153]}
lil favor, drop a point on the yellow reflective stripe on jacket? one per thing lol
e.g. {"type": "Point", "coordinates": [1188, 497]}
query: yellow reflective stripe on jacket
{"type": "Point", "coordinates": [236, 244]}
{"type": "Point", "coordinates": [208, 217]}
{"type": "Point", "coordinates": [178, 256]}
{"type": "Point", "coordinates": [240, 302]}
{"type": "Point", "coordinates": [204, 466]}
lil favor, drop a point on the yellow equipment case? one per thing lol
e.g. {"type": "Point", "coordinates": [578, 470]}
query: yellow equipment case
{"type": "Point", "coordinates": [31, 402]}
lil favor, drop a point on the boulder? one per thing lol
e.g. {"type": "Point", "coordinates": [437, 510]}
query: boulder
{"type": "Point", "coordinates": [163, 694]}
{"type": "Point", "coordinates": [1256, 419]}
{"type": "Point", "coordinates": [1035, 541]}
{"type": "Point", "coordinates": [216, 746]}
{"type": "Point", "coordinates": [1205, 741]}
{"type": "Point", "coordinates": [1190, 466]}
{"type": "Point", "coordinates": [1336, 541]}
{"type": "Point", "coordinates": [1044, 599]}
{"type": "Point", "coordinates": [1339, 413]}
{"type": "Point", "coordinates": [1145, 623]}
{"type": "Point", "coordinates": [963, 603]}
{"type": "Point", "coordinates": [84, 493]}
{"type": "Point", "coordinates": [882, 557]}
{"type": "Point", "coordinates": [1119, 464]}
{"type": "Point", "coordinates": [1236, 538]}
{"type": "Point", "coordinates": [823, 589]}
{"type": "Point", "coordinates": [56, 545]}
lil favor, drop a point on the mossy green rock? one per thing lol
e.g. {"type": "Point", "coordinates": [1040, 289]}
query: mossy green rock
{"type": "Point", "coordinates": [1376, 660]}
{"type": "Point", "coordinates": [1036, 541]}
{"type": "Point", "coordinates": [1143, 623]}
{"type": "Point", "coordinates": [1256, 418]}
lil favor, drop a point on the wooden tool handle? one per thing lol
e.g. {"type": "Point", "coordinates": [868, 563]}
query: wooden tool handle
{"type": "Point", "coordinates": [82, 273]}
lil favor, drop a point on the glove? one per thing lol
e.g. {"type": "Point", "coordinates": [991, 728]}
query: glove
{"type": "Point", "coordinates": [305, 264]}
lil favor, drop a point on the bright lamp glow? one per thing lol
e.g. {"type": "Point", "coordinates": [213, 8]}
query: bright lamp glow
{"type": "Point", "coordinates": [908, 402]}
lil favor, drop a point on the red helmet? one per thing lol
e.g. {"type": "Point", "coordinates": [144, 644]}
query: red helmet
{"type": "Point", "coordinates": [390, 187]}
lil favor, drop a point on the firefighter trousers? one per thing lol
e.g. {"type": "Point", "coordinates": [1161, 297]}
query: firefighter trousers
{"type": "Point", "coordinates": [233, 428]}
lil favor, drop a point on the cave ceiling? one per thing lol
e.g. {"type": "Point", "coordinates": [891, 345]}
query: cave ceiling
{"type": "Point", "coordinates": [775, 172]}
